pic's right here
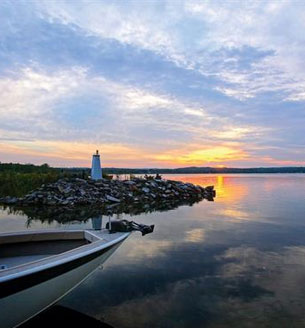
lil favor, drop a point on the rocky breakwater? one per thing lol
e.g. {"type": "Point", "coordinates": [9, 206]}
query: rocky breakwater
{"type": "Point", "coordinates": [108, 193]}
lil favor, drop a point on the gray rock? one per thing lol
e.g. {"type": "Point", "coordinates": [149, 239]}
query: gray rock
{"type": "Point", "coordinates": [100, 184]}
{"type": "Point", "coordinates": [51, 202]}
{"type": "Point", "coordinates": [130, 182]}
{"type": "Point", "coordinates": [82, 192]}
{"type": "Point", "coordinates": [81, 180]}
{"type": "Point", "coordinates": [11, 200]}
{"type": "Point", "coordinates": [112, 199]}
{"type": "Point", "coordinates": [60, 188]}
{"type": "Point", "coordinates": [153, 184]}
{"type": "Point", "coordinates": [67, 190]}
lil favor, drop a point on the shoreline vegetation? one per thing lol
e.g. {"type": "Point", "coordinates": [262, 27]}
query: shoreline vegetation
{"type": "Point", "coordinates": [16, 180]}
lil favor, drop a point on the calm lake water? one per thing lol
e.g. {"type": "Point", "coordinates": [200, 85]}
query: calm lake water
{"type": "Point", "coordinates": [236, 262]}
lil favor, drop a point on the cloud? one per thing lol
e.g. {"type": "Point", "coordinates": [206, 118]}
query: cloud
{"type": "Point", "coordinates": [195, 235]}
{"type": "Point", "coordinates": [177, 80]}
{"type": "Point", "coordinates": [242, 45]}
{"type": "Point", "coordinates": [72, 105]}
{"type": "Point", "coordinates": [27, 101]}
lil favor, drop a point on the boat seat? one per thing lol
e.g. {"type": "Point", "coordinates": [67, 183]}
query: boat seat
{"type": "Point", "coordinates": [10, 262]}
{"type": "Point", "coordinates": [12, 255]}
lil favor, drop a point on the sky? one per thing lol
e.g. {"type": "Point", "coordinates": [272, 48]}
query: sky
{"type": "Point", "coordinates": [153, 83]}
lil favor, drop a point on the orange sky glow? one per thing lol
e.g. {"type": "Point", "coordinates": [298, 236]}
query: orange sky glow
{"type": "Point", "coordinates": [66, 154]}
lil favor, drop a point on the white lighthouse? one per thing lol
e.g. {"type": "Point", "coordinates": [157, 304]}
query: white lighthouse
{"type": "Point", "coordinates": [96, 170]}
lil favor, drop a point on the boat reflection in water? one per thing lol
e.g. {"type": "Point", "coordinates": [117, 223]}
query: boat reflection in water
{"type": "Point", "coordinates": [58, 315]}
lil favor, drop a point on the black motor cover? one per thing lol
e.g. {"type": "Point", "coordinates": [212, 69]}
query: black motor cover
{"type": "Point", "coordinates": [127, 226]}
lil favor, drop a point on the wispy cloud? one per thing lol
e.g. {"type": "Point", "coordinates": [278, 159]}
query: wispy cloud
{"type": "Point", "coordinates": [184, 83]}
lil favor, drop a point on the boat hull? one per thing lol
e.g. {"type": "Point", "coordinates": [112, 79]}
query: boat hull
{"type": "Point", "coordinates": [30, 301]}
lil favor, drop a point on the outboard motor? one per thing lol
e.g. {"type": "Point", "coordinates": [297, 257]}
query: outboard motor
{"type": "Point", "coordinates": [128, 226]}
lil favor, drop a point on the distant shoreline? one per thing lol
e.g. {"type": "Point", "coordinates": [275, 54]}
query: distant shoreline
{"type": "Point", "coordinates": [206, 170]}
{"type": "Point", "coordinates": [188, 173]}
{"type": "Point", "coordinates": [30, 168]}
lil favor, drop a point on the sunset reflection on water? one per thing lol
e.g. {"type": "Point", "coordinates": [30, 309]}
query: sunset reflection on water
{"type": "Point", "coordinates": [228, 188]}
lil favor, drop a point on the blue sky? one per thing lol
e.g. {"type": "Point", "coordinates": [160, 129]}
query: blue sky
{"type": "Point", "coordinates": [154, 83]}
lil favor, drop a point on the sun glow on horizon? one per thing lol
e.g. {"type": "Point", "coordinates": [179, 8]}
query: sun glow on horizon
{"type": "Point", "coordinates": [201, 157]}
{"type": "Point", "coordinates": [63, 153]}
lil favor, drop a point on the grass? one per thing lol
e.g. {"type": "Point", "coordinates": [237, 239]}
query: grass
{"type": "Point", "coordinates": [16, 180]}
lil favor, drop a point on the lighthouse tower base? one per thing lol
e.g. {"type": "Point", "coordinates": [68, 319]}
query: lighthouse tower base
{"type": "Point", "coordinates": [96, 170]}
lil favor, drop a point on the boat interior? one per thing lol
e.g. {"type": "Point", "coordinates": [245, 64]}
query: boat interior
{"type": "Point", "coordinates": [21, 248]}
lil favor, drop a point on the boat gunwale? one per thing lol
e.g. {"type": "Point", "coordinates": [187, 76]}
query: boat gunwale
{"type": "Point", "coordinates": [7, 238]}
{"type": "Point", "coordinates": [96, 245]}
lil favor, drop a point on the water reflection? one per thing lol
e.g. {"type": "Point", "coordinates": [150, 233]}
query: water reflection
{"type": "Point", "coordinates": [68, 215]}
{"type": "Point", "coordinates": [229, 188]}
{"type": "Point", "coordinates": [235, 262]}
{"type": "Point", "coordinates": [194, 235]}
{"type": "Point", "coordinates": [97, 222]}
{"type": "Point", "coordinates": [57, 316]}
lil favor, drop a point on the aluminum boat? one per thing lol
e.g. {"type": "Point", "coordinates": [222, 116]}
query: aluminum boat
{"type": "Point", "coordinates": [38, 268]}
